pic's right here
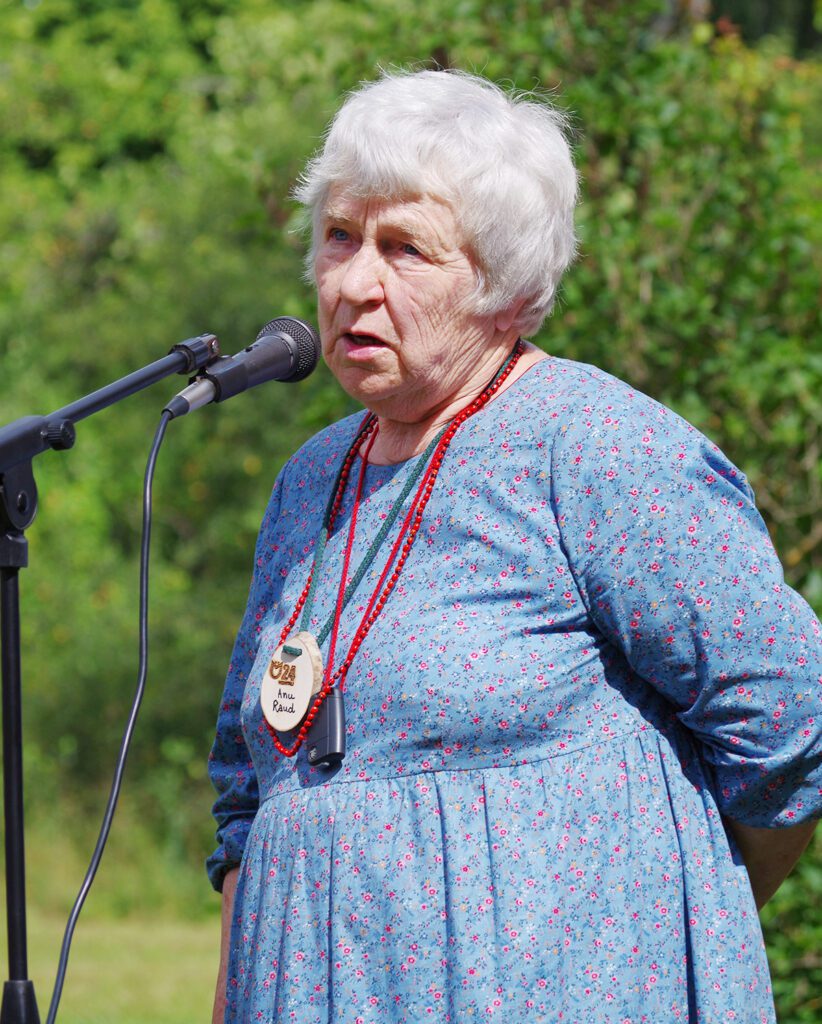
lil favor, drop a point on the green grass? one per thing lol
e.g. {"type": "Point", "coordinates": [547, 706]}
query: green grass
{"type": "Point", "coordinates": [134, 971]}
{"type": "Point", "coordinates": [146, 946]}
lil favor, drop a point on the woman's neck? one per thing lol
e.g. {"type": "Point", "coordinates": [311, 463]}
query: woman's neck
{"type": "Point", "coordinates": [398, 441]}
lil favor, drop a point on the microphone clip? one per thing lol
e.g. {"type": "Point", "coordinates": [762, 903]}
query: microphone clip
{"type": "Point", "coordinates": [199, 352]}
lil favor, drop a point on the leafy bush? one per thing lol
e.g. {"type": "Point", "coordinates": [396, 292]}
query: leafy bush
{"type": "Point", "coordinates": [147, 148]}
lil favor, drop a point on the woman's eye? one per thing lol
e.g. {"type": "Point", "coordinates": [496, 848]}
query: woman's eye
{"type": "Point", "coordinates": [337, 235]}
{"type": "Point", "coordinates": [410, 250]}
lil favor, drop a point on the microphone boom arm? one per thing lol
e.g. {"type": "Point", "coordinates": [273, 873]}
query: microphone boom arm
{"type": "Point", "coordinates": [22, 439]}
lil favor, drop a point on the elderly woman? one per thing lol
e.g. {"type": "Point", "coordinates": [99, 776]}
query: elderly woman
{"type": "Point", "coordinates": [522, 719]}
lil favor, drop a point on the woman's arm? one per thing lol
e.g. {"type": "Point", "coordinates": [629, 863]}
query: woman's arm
{"type": "Point", "coordinates": [229, 887]}
{"type": "Point", "coordinates": [230, 764]}
{"type": "Point", "coordinates": [676, 568]}
{"type": "Point", "coordinates": [769, 854]}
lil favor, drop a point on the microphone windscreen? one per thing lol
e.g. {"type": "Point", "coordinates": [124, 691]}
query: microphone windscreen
{"type": "Point", "coordinates": [305, 338]}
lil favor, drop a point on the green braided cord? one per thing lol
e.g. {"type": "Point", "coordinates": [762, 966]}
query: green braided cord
{"type": "Point", "coordinates": [319, 554]}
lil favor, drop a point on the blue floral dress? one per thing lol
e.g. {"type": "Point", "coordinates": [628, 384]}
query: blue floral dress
{"type": "Point", "coordinates": [590, 657]}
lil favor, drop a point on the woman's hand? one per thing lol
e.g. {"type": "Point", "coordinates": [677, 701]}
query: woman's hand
{"type": "Point", "coordinates": [769, 854]}
{"type": "Point", "coordinates": [229, 888]}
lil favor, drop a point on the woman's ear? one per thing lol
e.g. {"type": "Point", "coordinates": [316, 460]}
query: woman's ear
{"type": "Point", "coordinates": [504, 320]}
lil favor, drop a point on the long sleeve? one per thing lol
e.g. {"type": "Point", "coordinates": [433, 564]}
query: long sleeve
{"type": "Point", "coordinates": [230, 765]}
{"type": "Point", "coordinates": [677, 570]}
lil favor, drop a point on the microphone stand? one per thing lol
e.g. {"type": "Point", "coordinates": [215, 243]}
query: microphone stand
{"type": "Point", "coordinates": [20, 442]}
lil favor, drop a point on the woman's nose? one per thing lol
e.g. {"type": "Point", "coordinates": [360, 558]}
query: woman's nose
{"type": "Point", "coordinates": [362, 280]}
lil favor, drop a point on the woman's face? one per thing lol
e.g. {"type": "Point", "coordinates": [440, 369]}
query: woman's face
{"type": "Point", "coordinates": [397, 290]}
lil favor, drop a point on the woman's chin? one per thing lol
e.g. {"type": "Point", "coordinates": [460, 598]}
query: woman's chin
{"type": "Point", "coordinates": [364, 382]}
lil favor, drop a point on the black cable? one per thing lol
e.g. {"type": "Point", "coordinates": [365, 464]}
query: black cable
{"type": "Point", "coordinates": [111, 806]}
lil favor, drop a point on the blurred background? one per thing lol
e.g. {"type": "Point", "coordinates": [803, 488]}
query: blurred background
{"type": "Point", "coordinates": [147, 150]}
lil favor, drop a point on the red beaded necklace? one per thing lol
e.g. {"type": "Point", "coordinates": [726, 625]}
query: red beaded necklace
{"type": "Point", "coordinates": [398, 555]}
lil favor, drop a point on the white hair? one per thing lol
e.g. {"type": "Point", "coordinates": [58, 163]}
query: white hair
{"type": "Point", "coordinates": [501, 160]}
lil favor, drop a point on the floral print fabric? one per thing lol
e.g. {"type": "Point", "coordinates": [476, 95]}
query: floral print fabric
{"type": "Point", "coordinates": [590, 657]}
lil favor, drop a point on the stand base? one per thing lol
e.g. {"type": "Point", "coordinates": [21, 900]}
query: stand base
{"type": "Point", "coordinates": [19, 1003]}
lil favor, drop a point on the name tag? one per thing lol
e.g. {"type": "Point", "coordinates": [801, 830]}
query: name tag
{"type": "Point", "coordinates": [294, 675]}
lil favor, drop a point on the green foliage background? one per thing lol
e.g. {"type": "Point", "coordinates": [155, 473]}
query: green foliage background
{"type": "Point", "coordinates": [147, 149]}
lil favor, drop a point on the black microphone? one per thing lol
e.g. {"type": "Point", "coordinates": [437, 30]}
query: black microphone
{"type": "Point", "coordinates": [286, 349]}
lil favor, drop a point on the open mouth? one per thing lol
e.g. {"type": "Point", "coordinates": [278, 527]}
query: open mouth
{"type": "Point", "coordinates": [365, 340]}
